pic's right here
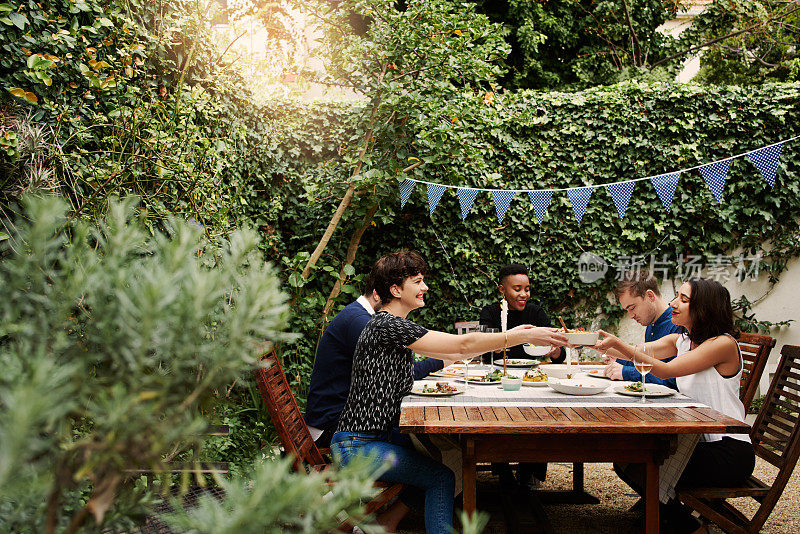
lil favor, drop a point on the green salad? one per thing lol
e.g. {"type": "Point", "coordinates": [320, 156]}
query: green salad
{"type": "Point", "coordinates": [636, 387]}
{"type": "Point", "coordinates": [494, 376]}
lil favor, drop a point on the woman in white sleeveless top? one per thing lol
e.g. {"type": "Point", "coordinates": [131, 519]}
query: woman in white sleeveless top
{"type": "Point", "coordinates": [708, 368]}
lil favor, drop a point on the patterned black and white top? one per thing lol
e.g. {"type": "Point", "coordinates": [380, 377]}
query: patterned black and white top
{"type": "Point", "coordinates": [382, 374]}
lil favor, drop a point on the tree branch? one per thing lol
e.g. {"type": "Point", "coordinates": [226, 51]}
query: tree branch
{"type": "Point", "coordinates": [718, 39]}
{"type": "Point", "coordinates": [634, 40]}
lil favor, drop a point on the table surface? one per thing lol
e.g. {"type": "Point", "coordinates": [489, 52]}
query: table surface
{"type": "Point", "coordinates": [487, 409]}
{"type": "Point", "coordinates": [563, 419]}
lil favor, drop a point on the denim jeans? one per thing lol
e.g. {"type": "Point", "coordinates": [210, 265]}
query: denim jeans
{"type": "Point", "coordinates": [408, 467]}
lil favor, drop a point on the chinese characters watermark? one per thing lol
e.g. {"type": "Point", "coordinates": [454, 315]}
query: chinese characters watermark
{"type": "Point", "coordinates": [722, 268]}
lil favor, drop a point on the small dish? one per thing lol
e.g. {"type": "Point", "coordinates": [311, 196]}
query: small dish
{"type": "Point", "coordinates": [582, 338]}
{"type": "Point", "coordinates": [511, 383]}
{"type": "Point", "coordinates": [561, 370]}
{"type": "Point", "coordinates": [536, 350]}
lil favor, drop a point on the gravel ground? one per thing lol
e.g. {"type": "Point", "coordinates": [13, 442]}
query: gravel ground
{"type": "Point", "coordinates": [611, 515]}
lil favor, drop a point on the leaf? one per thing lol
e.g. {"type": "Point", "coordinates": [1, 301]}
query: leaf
{"type": "Point", "coordinates": [18, 20]}
{"type": "Point", "coordinates": [296, 279]}
{"type": "Point", "coordinates": [16, 91]}
{"type": "Point", "coordinates": [349, 270]}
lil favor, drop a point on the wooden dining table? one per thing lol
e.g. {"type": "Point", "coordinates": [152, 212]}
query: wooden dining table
{"type": "Point", "coordinates": [630, 433]}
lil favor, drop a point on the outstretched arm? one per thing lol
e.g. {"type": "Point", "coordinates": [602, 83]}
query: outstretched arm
{"type": "Point", "coordinates": [452, 347]}
{"type": "Point", "coordinates": [720, 352]}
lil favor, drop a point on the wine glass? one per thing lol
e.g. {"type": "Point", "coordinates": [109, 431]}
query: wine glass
{"type": "Point", "coordinates": [471, 359]}
{"type": "Point", "coordinates": [641, 365]}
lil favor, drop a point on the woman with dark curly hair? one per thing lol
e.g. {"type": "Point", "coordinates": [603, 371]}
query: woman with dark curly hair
{"type": "Point", "coordinates": [708, 367]}
{"type": "Point", "coordinates": [382, 376]}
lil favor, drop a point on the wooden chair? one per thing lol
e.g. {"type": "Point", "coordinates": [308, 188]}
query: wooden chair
{"type": "Point", "coordinates": [755, 353]}
{"type": "Point", "coordinates": [776, 439]}
{"type": "Point", "coordinates": [465, 327]}
{"type": "Point", "coordinates": [293, 432]}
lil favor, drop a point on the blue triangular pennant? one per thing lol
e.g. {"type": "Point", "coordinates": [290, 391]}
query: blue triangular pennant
{"type": "Point", "coordinates": [406, 188]}
{"type": "Point", "coordinates": [435, 192]}
{"type": "Point", "coordinates": [540, 201]}
{"type": "Point", "coordinates": [665, 185]}
{"type": "Point", "coordinates": [579, 197]}
{"type": "Point", "coordinates": [466, 197]}
{"type": "Point", "coordinates": [766, 161]}
{"type": "Point", "coordinates": [502, 199]}
{"type": "Point", "coordinates": [621, 194]}
{"type": "Point", "coordinates": [715, 175]}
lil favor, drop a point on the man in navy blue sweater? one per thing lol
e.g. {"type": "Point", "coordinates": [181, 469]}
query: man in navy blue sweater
{"type": "Point", "coordinates": [333, 365]}
{"type": "Point", "coordinates": [639, 294]}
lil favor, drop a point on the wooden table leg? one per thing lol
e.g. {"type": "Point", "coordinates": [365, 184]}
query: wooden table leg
{"type": "Point", "coordinates": [469, 485]}
{"type": "Point", "coordinates": [651, 498]}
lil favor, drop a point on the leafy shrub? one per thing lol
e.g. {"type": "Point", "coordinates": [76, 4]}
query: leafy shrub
{"type": "Point", "coordinates": [111, 339]}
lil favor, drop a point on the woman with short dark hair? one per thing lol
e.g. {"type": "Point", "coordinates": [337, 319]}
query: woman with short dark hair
{"type": "Point", "coordinates": [708, 367]}
{"type": "Point", "coordinates": [382, 376]}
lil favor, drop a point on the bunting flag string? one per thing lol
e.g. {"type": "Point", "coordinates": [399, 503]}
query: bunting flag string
{"type": "Point", "coordinates": [541, 201]}
{"type": "Point", "coordinates": [435, 192]}
{"type": "Point", "coordinates": [665, 187]}
{"type": "Point", "coordinates": [580, 199]}
{"type": "Point", "coordinates": [502, 199]}
{"type": "Point", "coordinates": [466, 197]}
{"type": "Point", "coordinates": [766, 159]}
{"type": "Point", "coordinates": [621, 195]}
{"type": "Point", "coordinates": [715, 174]}
{"type": "Point", "coordinates": [406, 188]}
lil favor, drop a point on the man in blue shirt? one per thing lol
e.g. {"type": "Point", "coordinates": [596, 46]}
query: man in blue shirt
{"type": "Point", "coordinates": [639, 294]}
{"type": "Point", "coordinates": [333, 365]}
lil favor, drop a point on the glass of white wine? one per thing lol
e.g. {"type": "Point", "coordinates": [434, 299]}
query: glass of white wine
{"type": "Point", "coordinates": [641, 365]}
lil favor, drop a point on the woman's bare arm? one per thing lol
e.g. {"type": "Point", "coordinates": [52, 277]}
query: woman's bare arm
{"type": "Point", "coordinates": [454, 347]}
{"type": "Point", "coordinates": [720, 352]}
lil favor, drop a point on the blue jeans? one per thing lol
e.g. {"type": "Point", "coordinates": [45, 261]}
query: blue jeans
{"type": "Point", "coordinates": [407, 466]}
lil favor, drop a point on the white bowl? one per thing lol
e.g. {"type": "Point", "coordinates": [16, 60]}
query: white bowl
{"type": "Point", "coordinates": [582, 338]}
{"type": "Point", "coordinates": [578, 386]}
{"type": "Point", "coordinates": [536, 350]}
{"type": "Point", "coordinates": [561, 370]}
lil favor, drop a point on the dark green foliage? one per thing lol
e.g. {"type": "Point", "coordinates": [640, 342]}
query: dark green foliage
{"type": "Point", "coordinates": [540, 140]}
{"type": "Point", "coordinates": [574, 44]}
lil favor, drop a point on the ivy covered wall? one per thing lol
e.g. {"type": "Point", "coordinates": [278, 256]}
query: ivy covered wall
{"type": "Point", "coordinates": [542, 140]}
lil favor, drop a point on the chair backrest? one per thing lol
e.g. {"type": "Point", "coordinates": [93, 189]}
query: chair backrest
{"type": "Point", "coordinates": [285, 414]}
{"type": "Point", "coordinates": [465, 327]}
{"type": "Point", "coordinates": [776, 431]}
{"type": "Point", "coordinates": [755, 353]}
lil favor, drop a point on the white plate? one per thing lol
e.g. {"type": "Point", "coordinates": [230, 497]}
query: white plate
{"type": "Point", "coordinates": [459, 373]}
{"type": "Point", "coordinates": [597, 373]}
{"type": "Point", "coordinates": [479, 383]}
{"type": "Point", "coordinates": [650, 390]}
{"type": "Point", "coordinates": [417, 390]}
{"type": "Point", "coordinates": [578, 386]}
{"type": "Point", "coordinates": [536, 350]}
{"type": "Point", "coordinates": [520, 363]}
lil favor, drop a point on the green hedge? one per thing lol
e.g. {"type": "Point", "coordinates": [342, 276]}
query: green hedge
{"type": "Point", "coordinates": [544, 140]}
